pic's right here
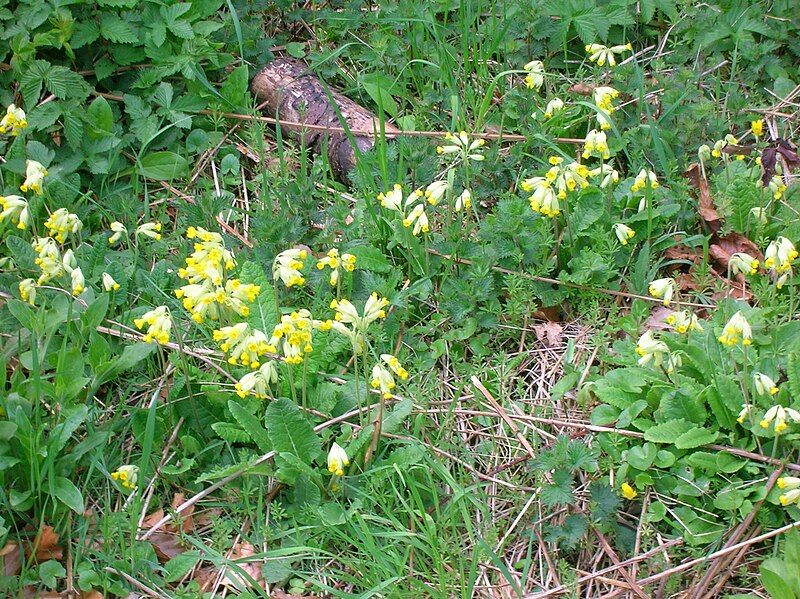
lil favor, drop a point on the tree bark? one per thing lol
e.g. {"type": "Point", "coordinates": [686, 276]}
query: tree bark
{"type": "Point", "coordinates": [288, 91]}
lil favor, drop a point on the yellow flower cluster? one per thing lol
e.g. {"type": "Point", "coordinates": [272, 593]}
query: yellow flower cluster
{"type": "Point", "coordinates": [596, 144]}
{"type": "Point", "coordinates": [643, 180]}
{"type": "Point", "coordinates": [35, 173]}
{"type": "Point", "coordinates": [663, 289]}
{"type": "Point", "coordinates": [288, 265]}
{"type": "Point", "coordinates": [684, 322]}
{"type": "Point", "coordinates": [292, 336]}
{"type": "Point", "coordinates": [412, 209]}
{"type": "Point", "coordinates": [127, 476]}
{"type": "Point", "coordinates": [382, 375]}
{"type": "Point", "coordinates": [778, 258]}
{"type": "Point", "coordinates": [779, 415]}
{"type": "Point", "coordinates": [790, 484]}
{"type": "Point", "coordinates": [257, 383]}
{"type": "Point", "coordinates": [559, 179]}
{"type": "Point", "coordinates": [603, 54]}
{"type": "Point", "coordinates": [604, 97]}
{"type": "Point", "coordinates": [624, 233]}
{"type": "Point", "coordinates": [335, 262]}
{"type": "Point", "coordinates": [243, 344]}
{"type": "Point", "coordinates": [61, 223]}
{"type": "Point", "coordinates": [15, 209]}
{"type": "Point", "coordinates": [337, 460]}
{"type": "Point", "coordinates": [14, 119]}
{"type": "Point", "coordinates": [462, 145]}
{"type": "Point", "coordinates": [159, 325]}
{"type": "Point", "coordinates": [736, 330]}
{"type": "Point", "coordinates": [208, 295]}
{"type": "Point", "coordinates": [535, 74]}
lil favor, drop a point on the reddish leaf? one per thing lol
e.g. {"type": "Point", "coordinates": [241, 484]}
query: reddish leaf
{"type": "Point", "coordinates": [705, 203]}
{"type": "Point", "coordinates": [45, 545]}
{"type": "Point", "coordinates": [12, 559]}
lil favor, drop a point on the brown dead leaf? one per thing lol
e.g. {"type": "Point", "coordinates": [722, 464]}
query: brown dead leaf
{"type": "Point", "coordinates": [232, 579]}
{"type": "Point", "coordinates": [657, 318]}
{"type": "Point", "coordinates": [166, 541]}
{"type": "Point", "coordinates": [584, 89]}
{"type": "Point", "coordinates": [550, 332]}
{"type": "Point", "coordinates": [705, 203]}
{"type": "Point", "coordinates": [185, 517]}
{"type": "Point", "coordinates": [682, 252]}
{"type": "Point", "coordinates": [45, 545]}
{"type": "Point", "coordinates": [12, 559]}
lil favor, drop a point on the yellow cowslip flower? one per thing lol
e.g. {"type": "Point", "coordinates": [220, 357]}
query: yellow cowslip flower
{"type": "Point", "coordinates": [207, 263]}
{"type": "Point", "coordinates": [764, 385]}
{"type": "Point", "coordinates": [117, 231]}
{"type": "Point", "coordinates": [736, 330]}
{"type": "Point", "coordinates": [243, 344]}
{"type": "Point", "coordinates": [683, 322]}
{"type": "Point", "coordinates": [382, 379]}
{"type": "Point", "coordinates": [14, 119]}
{"type": "Point", "coordinates": [624, 233]}
{"type": "Point", "coordinates": [337, 460]}
{"type": "Point", "coordinates": [535, 77]}
{"type": "Point", "coordinates": [648, 348]}
{"type": "Point", "coordinates": [744, 413]}
{"type": "Point", "coordinates": [27, 291]}
{"type": "Point", "coordinates": [288, 265]}
{"type": "Point", "coordinates": [757, 128]}
{"type": "Point", "coordinates": [15, 209]}
{"type": "Point", "coordinates": [48, 259]}
{"type": "Point", "coordinates": [674, 361]}
{"type": "Point", "coordinates": [61, 223]}
{"type": "Point", "coordinates": [662, 289]}
{"type": "Point", "coordinates": [78, 281]}
{"type": "Point", "coordinates": [464, 201]}
{"type": "Point", "coordinates": [394, 365]}
{"type": "Point", "coordinates": [435, 191]}
{"type": "Point", "coordinates": [545, 201]}
{"type": "Point", "coordinates": [744, 263]}
{"type": "Point", "coordinates": [610, 175]}
{"type": "Point", "coordinates": [204, 235]}
{"type": "Point", "coordinates": [335, 262]}
{"type": "Point", "coordinates": [603, 119]}
{"type": "Point", "coordinates": [127, 476]}
{"type": "Point", "coordinates": [159, 325]}
{"type": "Point", "coordinates": [109, 284]}
{"type": "Point", "coordinates": [355, 336]}
{"type": "Point", "coordinates": [780, 254]}
{"type": "Point", "coordinates": [704, 153]}
{"type": "Point", "coordinates": [257, 382]}
{"type": "Point", "coordinates": [596, 144]}
{"type": "Point", "coordinates": [207, 301]}
{"type": "Point", "coordinates": [34, 175]}
{"type": "Point", "coordinates": [292, 336]}
{"type": "Point", "coordinates": [152, 230]}
{"type": "Point", "coordinates": [461, 144]}
{"type": "Point", "coordinates": [603, 54]}
{"type": "Point", "coordinates": [777, 187]}
{"type": "Point", "coordinates": [643, 179]}
{"type": "Point", "coordinates": [779, 414]}
{"type": "Point", "coordinates": [393, 200]}
{"type": "Point", "coordinates": [553, 106]}
{"type": "Point", "coordinates": [628, 492]}
{"type": "Point", "coordinates": [347, 313]}
{"type": "Point", "coordinates": [790, 484]}
{"type": "Point", "coordinates": [604, 97]}
{"type": "Point", "coordinates": [419, 219]}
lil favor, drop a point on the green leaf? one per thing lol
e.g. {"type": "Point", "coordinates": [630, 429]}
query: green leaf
{"type": "Point", "coordinates": [290, 432]}
{"type": "Point", "coordinates": [668, 431]}
{"type": "Point", "coordinates": [100, 117]}
{"type": "Point", "coordinates": [642, 457]}
{"type": "Point", "coordinates": [234, 90]}
{"type": "Point", "coordinates": [115, 29]}
{"type": "Point", "coordinates": [180, 565]}
{"type": "Point", "coordinates": [230, 432]}
{"type": "Point", "coordinates": [793, 374]}
{"type": "Point", "coordinates": [251, 425]}
{"type": "Point", "coordinates": [68, 494]}
{"type": "Point", "coordinates": [263, 312]}
{"type": "Point", "coordinates": [695, 437]}
{"type": "Point", "coordinates": [676, 405]}
{"type": "Point", "coordinates": [370, 258]}
{"type": "Point", "coordinates": [49, 573]}
{"type": "Point", "coordinates": [774, 575]}
{"type": "Point", "coordinates": [163, 165]}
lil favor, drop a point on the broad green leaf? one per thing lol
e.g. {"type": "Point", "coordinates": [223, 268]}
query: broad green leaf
{"type": "Point", "coordinates": [793, 374]}
{"type": "Point", "coordinates": [668, 431]}
{"type": "Point", "coordinates": [641, 457]}
{"type": "Point", "coordinates": [115, 29]}
{"type": "Point", "coordinates": [100, 118]}
{"type": "Point", "coordinates": [774, 575]}
{"type": "Point", "coordinates": [696, 437]}
{"type": "Point", "coordinates": [289, 431]}
{"type": "Point", "coordinates": [164, 165]}
{"type": "Point", "coordinates": [370, 258]}
{"type": "Point", "coordinates": [251, 425]}
{"type": "Point", "coordinates": [263, 312]}
{"type": "Point", "coordinates": [67, 493]}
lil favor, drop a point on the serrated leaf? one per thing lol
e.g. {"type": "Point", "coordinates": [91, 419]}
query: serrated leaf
{"type": "Point", "coordinates": [793, 374]}
{"type": "Point", "coordinates": [370, 258]}
{"type": "Point", "coordinates": [115, 29]}
{"type": "Point", "coordinates": [695, 437]}
{"type": "Point", "coordinates": [668, 431]}
{"type": "Point", "coordinates": [290, 432]}
{"type": "Point", "coordinates": [230, 432]}
{"type": "Point", "coordinates": [263, 312]}
{"type": "Point", "coordinates": [251, 425]}
{"type": "Point", "coordinates": [73, 130]}
{"type": "Point", "coordinates": [62, 82]}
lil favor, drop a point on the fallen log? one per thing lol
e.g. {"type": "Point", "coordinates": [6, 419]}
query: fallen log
{"type": "Point", "coordinates": [287, 90]}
